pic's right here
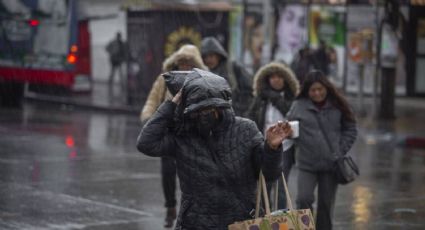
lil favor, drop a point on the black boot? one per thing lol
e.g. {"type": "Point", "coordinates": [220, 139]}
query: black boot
{"type": "Point", "coordinates": [171, 216]}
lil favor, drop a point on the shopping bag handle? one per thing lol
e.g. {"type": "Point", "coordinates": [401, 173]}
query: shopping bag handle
{"type": "Point", "coordinates": [262, 189]}
{"type": "Point", "coordinates": [288, 196]}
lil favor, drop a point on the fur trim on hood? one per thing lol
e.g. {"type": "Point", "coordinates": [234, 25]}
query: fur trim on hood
{"type": "Point", "coordinates": [280, 69]}
{"type": "Point", "coordinates": [189, 53]}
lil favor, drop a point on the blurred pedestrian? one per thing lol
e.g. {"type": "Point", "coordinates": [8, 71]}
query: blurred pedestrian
{"type": "Point", "coordinates": [302, 63]}
{"type": "Point", "coordinates": [186, 58]}
{"type": "Point", "coordinates": [117, 53]}
{"type": "Point", "coordinates": [216, 58]}
{"type": "Point", "coordinates": [253, 41]}
{"type": "Point", "coordinates": [275, 88]}
{"type": "Point", "coordinates": [326, 122]}
{"type": "Point", "coordinates": [219, 155]}
{"type": "Point", "coordinates": [321, 57]}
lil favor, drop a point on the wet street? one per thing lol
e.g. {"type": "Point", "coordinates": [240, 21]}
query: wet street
{"type": "Point", "coordinates": [66, 168]}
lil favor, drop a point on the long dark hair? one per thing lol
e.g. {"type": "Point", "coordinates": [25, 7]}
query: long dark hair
{"type": "Point", "coordinates": [333, 95]}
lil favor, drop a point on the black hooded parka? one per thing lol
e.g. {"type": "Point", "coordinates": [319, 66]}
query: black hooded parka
{"type": "Point", "coordinates": [218, 173]}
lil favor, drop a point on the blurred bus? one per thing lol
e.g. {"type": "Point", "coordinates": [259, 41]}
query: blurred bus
{"type": "Point", "coordinates": [44, 45]}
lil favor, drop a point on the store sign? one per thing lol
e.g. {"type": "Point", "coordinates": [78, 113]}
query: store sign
{"type": "Point", "coordinates": [182, 35]}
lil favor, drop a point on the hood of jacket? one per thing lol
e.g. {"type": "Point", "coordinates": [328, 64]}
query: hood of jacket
{"type": "Point", "coordinates": [260, 78]}
{"type": "Point", "coordinates": [188, 53]}
{"type": "Point", "coordinates": [212, 45]}
{"type": "Point", "coordinates": [203, 89]}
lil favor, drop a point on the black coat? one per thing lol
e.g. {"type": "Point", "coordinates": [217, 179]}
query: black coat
{"type": "Point", "coordinates": [282, 101]}
{"type": "Point", "coordinates": [237, 76]}
{"type": "Point", "coordinates": [217, 174]}
{"type": "Point", "coordinates": [258, 109]}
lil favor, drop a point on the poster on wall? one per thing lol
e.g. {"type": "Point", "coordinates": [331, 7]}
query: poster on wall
{"type": "Point", "coordinates": [236, 33]}
{"type": "Point", "coordinates": [326, 25]}
{"type": "Point", "coordinates": [290, 32]}
{"type": "Point", "coordinates": [253, 36]}
{"type": "Point", "coordinates": [359, 20]}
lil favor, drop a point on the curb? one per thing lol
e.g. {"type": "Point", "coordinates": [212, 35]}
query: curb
{"type": "Point", "coordinates": [39, 98]}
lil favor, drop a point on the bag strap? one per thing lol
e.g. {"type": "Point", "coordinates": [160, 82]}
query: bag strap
{"type": "Point", "coordinates": [262, 190]}
{"type": "Point", "coordinates": [324, 134]}
{"type": "Point", "coordinates": [265, 195]}
{"type": "Point", "coordinates": [276, 195]}
{"type": "Point", "coordinates": [288, 196]}
{"type": "Point", "coordinates": [258, 200]}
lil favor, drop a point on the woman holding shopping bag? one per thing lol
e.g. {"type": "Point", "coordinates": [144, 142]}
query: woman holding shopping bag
{"type": "Point", "coordinates": [218, 155]}
{"type": "Point", "coordinates": [326, 123]}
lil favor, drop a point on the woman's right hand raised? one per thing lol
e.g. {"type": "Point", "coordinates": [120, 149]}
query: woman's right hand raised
{"type": "Point", "coordinates": [177, 98]}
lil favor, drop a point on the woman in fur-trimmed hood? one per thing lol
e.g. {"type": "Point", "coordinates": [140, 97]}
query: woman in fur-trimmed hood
{"type": "Point", "coordinates": [186, 58]}
{"type": "Point", "coordinates": [275, 88]}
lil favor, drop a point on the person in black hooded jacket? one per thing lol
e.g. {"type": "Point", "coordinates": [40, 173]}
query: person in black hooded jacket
{"type": "Point", "coordinates": [218, 155]}
{"type": "Point", "coordinates": [216, 59]}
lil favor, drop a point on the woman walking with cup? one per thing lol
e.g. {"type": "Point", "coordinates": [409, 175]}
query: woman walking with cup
{"type": "Point", "coordinates": [325, 122]}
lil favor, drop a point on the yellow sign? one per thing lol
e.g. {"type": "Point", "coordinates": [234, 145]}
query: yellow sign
{"type": "Point", "coordinates": [183, 35]}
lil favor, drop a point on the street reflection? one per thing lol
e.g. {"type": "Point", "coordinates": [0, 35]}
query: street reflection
{"type": "Point", "coordinates": [361, 205]}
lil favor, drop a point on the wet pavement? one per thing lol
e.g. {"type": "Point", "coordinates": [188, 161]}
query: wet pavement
{"type": "Point", "coordinates": [63, 167]}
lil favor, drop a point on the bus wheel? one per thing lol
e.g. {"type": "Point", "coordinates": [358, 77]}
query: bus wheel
{"type": "Point", "coordinates": [11, 94]}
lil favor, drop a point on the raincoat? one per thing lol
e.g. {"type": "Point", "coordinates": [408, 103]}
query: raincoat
{"type": "Point", "coordinates": [239, 79]}
{"type": "Point", "coordinates": [218, 174]}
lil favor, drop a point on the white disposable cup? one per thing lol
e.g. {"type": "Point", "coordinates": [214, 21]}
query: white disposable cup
{"type": "Point", "coordinates": [295, 126]}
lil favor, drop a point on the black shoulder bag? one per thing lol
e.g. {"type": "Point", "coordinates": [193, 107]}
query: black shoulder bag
{"type": "Point", "coordinates": [345, 168]}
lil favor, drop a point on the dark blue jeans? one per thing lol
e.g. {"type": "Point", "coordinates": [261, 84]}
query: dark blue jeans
{"type": "Point", "coordinates": [169, 174]}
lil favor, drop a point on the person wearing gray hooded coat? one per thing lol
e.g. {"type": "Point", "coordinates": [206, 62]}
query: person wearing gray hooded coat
{"type": "Point", "coordinates": [216, 59]}
{"type": "Point", "coordinates": [218, 155]}
{"type": "Point", "coordinates": [327, 129]}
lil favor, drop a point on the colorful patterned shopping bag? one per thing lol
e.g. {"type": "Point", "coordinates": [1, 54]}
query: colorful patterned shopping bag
{"type": "Point", "coordinates": [289, 219]}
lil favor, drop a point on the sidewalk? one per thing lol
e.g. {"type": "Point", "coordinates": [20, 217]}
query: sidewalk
{"type": "Point", "coordinates": [406, 130]}
{"type": "Point", "coordinates": [408, 124]}
{"type": "Point", "coordinates": [114, 99]}
{"type": "Point", "coordinates": [101, 98]}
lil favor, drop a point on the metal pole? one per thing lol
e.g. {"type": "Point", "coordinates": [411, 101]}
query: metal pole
{"type": "Point", "coordinates": [267, 23]}
{"type": "Point", "coordinates": [244, 5]}
{"type": "Point", "coordinates": [360, 94]}
{"type": "Point", "coordinates": [344, 77]}
{"type": "Point", "coordinates": [377, 62]}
